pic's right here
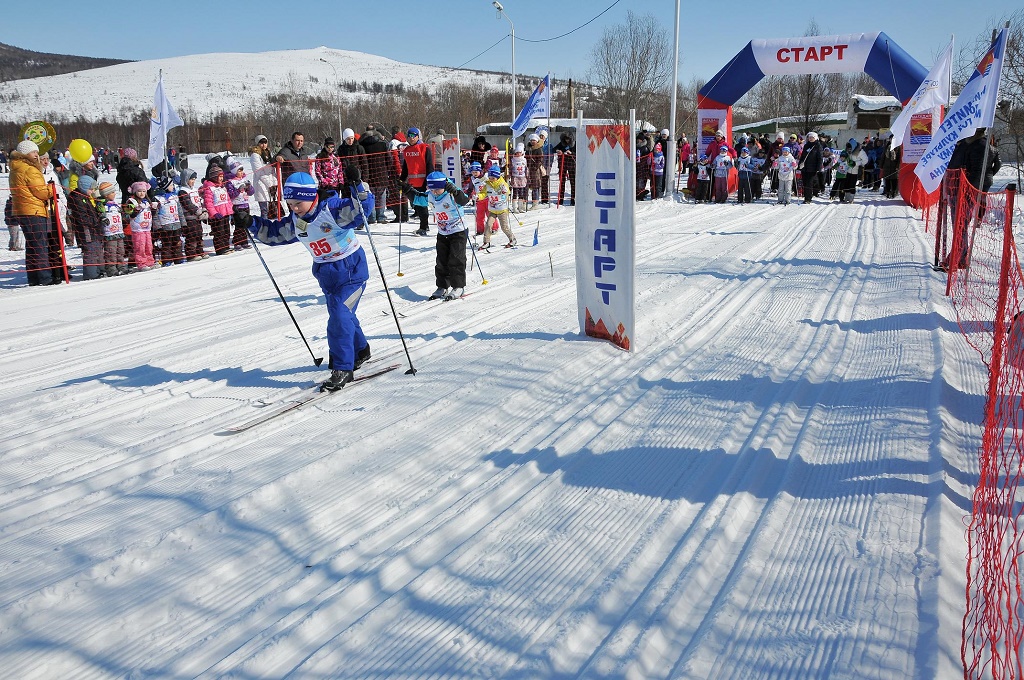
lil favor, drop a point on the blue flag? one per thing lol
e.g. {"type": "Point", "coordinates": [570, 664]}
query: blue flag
{"type": "Point", "coordinates": [537, 106]}
{"type": "Point", "coordinates": [536, 234]}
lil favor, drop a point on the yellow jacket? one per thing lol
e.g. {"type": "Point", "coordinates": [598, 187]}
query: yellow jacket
{"type": "Point", "coordinates": [29, 190]}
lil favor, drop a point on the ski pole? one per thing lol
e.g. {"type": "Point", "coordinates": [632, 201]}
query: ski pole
{"type": "Point", "coordinates": [472, 250]}
{"type": "Point", "coordinates": [316, 360]}
{"type": "Point", "coordinates": [380, 268]}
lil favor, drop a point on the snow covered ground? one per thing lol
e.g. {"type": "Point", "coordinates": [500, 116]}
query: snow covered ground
{"type": "Point", "coordinates": [771, 486]}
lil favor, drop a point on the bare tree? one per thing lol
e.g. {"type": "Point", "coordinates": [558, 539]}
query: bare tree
{"type": "Point", "coordinates": [633, 62]}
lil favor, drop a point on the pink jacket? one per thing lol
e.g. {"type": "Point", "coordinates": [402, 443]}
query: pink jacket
{"type": "Point", "coordinates": [216, 199]}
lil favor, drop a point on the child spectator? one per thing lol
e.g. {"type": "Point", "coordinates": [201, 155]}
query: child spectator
{"type": "Point", "coordinates": [328, 167]}
{"type": "Point", "coordinates": [195, 214]}
{"type": "Point", "coordinates": [786, 167]}
{"type": "Point", "coordinates": [721, 165]}
{"type": "Point", "coordinates": [534, 166]}
{"type": "Point", "coordinates": [218, 206]}
{"type": "Point", "coordinates": [658, 170]}
{"type": "Point", "coordinates": [450, 263]}
{"type": "Point", "coordinates": [497, 206]}
{"type": "Point", "coordinates": [239, 189]}
{"type": "Point", "coordinates": [138, 210]}
{"type": "Point", "coordinates": [167, 224]}
{"type": "Point", "coordinates": [517, 167]}
{"type": "Point", "coordinates": [87, 223]}
{"type": "Point", "coordinates": [703, 180]}
{"type": "Point", "coordinates": [757, 163]}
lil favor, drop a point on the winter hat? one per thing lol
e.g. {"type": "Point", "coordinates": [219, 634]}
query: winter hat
{"type": "Point", "coordinates": [542, 131]}
{"type": "Point", "coordinates": [107, 189]}
{"type": "Point", "coordinates": [664, 132]}
{"type": "Point", "coordinates": [136, 187]}
{"type": "Point", "coordinates": [348, 132]}
{"type": "Point", "coordinates": [328, 141]}
{"type": "Point", "coordinates": [520, 147]}
{"type": "Point", "coordinates": [723, 149]}
{"type": "Point", "coordinates": [657, 148]}
{"type": "Point", "coordinates": [719, 133]}
{"type": "Point", "coordinates": [703, 157]}
{"type": "Point", "coordinates": [785, 149]}
{"type": "Point", "coordinates": [534, 138]}
{"type": "Point", "coordinates": [413, 131]}
{"type": "Point", "coordinates": [213, 171]}
{"type": "Point", "coordinates": [780, 135]}
{"type": "Point", "coordinates": [234, 166]}
{"type": "Point", "coordinates": [299, 186]}
{"type": "Point", "coordinates": [164, 183]}
{"type": "Point", "coordinates": [852, 143]}
{"type": "Point", "coordinates": [186, 175]}
{"type": "Point", "coordinates": [812, 136]}
{"type": "Point", "coordinates": [258, 139]}
{"type": "Point", "coordinates": [25, 147]}
{"type": "Point", "coordinates": [86, 183]}
{"type": "Point", "coordinates": [793, 136]}
{"type": "Point", "coordinates": [494, 171]}
{"type": "Point", "coordinates": [745, 150]}
{"type": "Point", "coordinates": [494, 152]}
{"type": "Point", "coordinates": [475, 165]}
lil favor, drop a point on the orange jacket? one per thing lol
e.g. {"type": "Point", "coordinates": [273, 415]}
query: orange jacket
{"type": "Point", "coordinates": [28, 188]}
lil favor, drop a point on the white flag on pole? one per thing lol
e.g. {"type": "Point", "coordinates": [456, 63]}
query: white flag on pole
{"type": "Point", "coordinates": [161, 119]}
{"type": "Point", "coordinates": [974, 108]}
{"type": "Point", "coordinates": [933, 91]}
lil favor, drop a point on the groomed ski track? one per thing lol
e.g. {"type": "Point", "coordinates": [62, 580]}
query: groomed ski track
{"type": "Point", "coordinates": [771, 486]}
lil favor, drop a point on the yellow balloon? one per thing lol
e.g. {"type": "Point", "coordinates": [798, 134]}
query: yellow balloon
{"type": "Point", "coordinates": [80, 150]}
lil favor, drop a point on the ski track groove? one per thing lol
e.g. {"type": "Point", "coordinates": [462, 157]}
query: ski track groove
{"type": "Point", "coordinates": [445, 524]}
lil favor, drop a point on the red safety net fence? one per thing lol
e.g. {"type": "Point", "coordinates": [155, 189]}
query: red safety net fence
{"type": "Point", "coordinates": [975, 243]}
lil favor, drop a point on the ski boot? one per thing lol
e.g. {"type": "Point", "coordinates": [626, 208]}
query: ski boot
{"type": "Point", "coordinates": [337, 380]}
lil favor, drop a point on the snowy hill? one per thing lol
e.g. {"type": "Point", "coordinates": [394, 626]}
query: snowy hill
{"type": "Point", "coordinates": [771, 486]}
{"type": "Point", "coordinates": [201, 85]}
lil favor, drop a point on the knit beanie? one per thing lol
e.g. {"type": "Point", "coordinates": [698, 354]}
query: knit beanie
{"type": "Point", "coordinates": [25, 147]}
{"type": "Point", "coordinates": [129, 152]}
{"type": "Point", "coordinates": [107, 189]}
{"type": "Point", "coordinates": [136, 187]}
{"type": "Point", "coordinates": [213, 171]}
{"type": "Point", "coordinates": [299, 186]}
{"type": "Point", "coordinates": [86, 183]}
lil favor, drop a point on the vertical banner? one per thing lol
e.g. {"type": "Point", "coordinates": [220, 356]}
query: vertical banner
{"type": "Point", "coordinates": [451, 160]}
{"type": "Point", "coordinates": [605, 238]}
{"type": "Point", "coordinates": [712, 120]}
{"type": "Point", "coordinates": [919, 134]}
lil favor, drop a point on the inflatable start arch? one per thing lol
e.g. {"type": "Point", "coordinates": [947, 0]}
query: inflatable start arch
{"type": "Point", "coordinates": [872, 53]}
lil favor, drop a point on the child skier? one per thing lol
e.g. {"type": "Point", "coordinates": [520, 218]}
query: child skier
{"type": "Point", "coordinates": [239, 189]}
{"type": "Point", "coordinates": [447, 200]}
{"type": "Point", "coordinates": [167, 224]}
{"type": "Point", "coordinates": [658, 170]}
{"type": "Point", "coordinates": [517, 172]}
{"type": "Point", "coordinates": [478, 190]}
{"type": "Point", "coordinates": [722, 164]}
{"type": "Point", "coordinates": [703, 174]}
{"type": "Point", "coordinates": [497, 206]}
{"type": "Point", "coordinates": [744, 164]}
{"type": "Point", "coordinates": [326, 228]}
{"type": "Point", "coordinates": [194, 212]}
{"type": "Point", "coordinates": [786, 166]}
{"type": "Point", "coordinates": [218, 206]}
{"type": "Point", "coordinates": [138, 209]}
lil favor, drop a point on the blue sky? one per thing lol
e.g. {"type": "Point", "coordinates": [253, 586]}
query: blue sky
{"type": "Point", "coordinates": [453, 32]}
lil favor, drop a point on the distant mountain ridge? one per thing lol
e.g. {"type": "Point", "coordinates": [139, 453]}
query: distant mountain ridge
{"type": "Point", "coordinates": [17, 63]}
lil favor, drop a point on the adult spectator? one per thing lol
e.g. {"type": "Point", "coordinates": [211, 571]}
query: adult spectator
{"type": "Point", "coordinates": [644, 151]}
{"type": "Point", "coordinates": [534, 164]}
{"type": "Point", "coordinates": [811, 162]}
{"type": "Point", "coordinates": [980, 174]}
{"type": "Point", "coordinates": [891, 160]}
{"type": "Point", "coordinates": [31, 208]}
{"type": "Point", "coordinates": [417, 161]}
{"type": "Point", "coordinates": [350, 152]}
{"type": "Point", "coordinates": [478, 152]}
{"type": "Point", "coordinates": [129, 171]}
{"type": "Point", "coordinates": [717, 143]}
{"type": "Point", "coordinates": [565, 153]}
{"type": "Point", "coordinates": [264, 178]}
{"type": "Point", "coordinates": [58, 217]}
{"type": "Point", "coordinates": [437, 140]}
{"type": "Point", "coordinates": [378, 174]}
{"type": "Point", "coordinates": [547, 157]}
{"type": "Point", "coordinates": [397, 138]}
{"type": "Point", "coordinates": [78, 169]}
{"type": "Point", "coordinates": [683, 148]}
{"type": "Point", "coordinates": [3, 161]}
{"type": "Point", "coordinates": [294, 156]}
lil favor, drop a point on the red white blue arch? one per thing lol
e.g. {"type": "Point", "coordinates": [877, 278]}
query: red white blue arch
{"type": "Point", "coordinates": [875, 54]}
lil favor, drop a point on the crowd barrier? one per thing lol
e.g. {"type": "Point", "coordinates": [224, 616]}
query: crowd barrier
{"type": "Point", "coordinates": [974, 242]}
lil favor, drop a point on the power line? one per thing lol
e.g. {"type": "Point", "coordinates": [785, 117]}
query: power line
{"type": "Point", "coordinates": [557, 37]}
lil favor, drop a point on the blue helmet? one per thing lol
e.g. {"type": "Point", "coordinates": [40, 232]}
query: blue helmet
{"type": "Point", "coordinates": [413, 131]}
{"type": "Point", "coordinates": [494, 171]}
{"type": "Point", "coordinates": [437, 180]}
{"type": "Point", "coordinates": [300, 186]}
